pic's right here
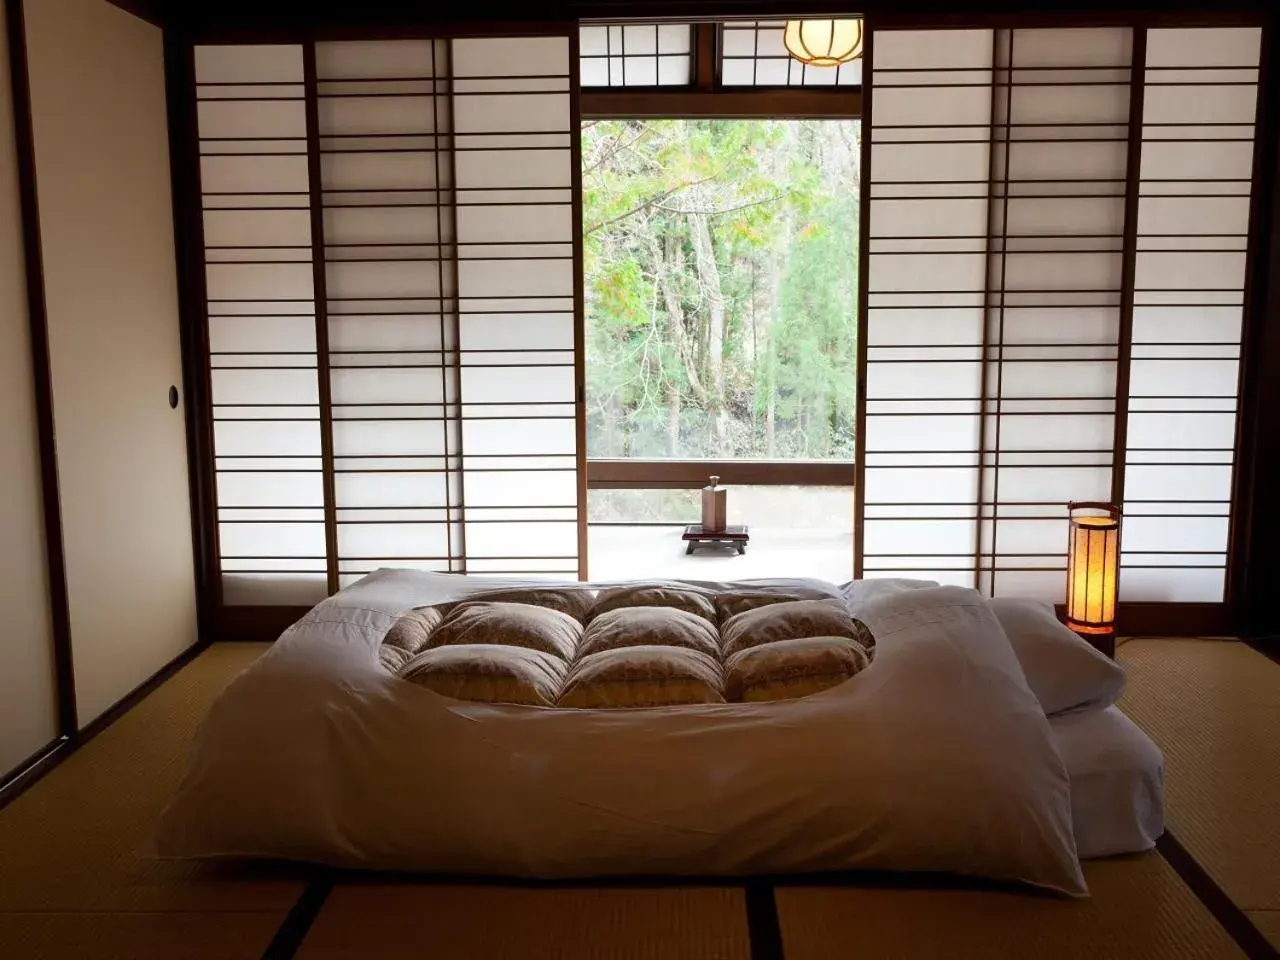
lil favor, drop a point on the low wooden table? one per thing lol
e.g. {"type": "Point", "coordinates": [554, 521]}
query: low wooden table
{"type": "Point", "coordinates": [735, 535]}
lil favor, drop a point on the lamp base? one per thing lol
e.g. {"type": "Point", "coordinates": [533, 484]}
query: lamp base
{"type": "Point", "coordinates": [1101, 637]}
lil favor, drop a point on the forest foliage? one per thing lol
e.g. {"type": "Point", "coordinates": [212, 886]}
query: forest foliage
{"type": "Point", "coordinates": [721, 277]}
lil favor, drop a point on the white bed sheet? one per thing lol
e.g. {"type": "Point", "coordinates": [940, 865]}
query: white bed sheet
{"type": "Point", "coordinates": [1117, 782]}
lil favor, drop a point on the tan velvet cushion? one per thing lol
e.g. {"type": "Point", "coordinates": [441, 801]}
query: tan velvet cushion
{"type": "Point", "coordinates": [511, 624]}
{"type": "Point", "coordinates": [786, 621]}
{"type": "Point", "coordinates": [490, 673]}
{"type": "Point", "coordinates": [575, 603]}
{"type": "Point", "coordinates": [642, 677]}
{"type": "Point", "coordinates": [412, 631]}
{"type": "Point", "coordinates": [688, 600]}
{"type": "Point", "coordinates": [787, 669]}
{"type": "Point", "coordinates": [650, 626]}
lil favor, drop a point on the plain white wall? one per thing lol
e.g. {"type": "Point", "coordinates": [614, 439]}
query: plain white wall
{"type": "Point", "coordinates": [28, 706]}
{"type": "Point", "coordinates": [106, 216]}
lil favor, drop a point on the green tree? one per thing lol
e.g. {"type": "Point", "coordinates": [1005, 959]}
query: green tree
{"type": "Point", "coordinates": [721, 272]}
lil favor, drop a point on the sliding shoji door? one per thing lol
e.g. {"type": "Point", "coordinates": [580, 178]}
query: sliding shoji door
{"type": "Point", "coordinates": [1060, 146]}
{"type": "Point", "coordinates": [929, 184]}
{"type": "Point", "coordinates": [1193, 224]}
{"type": "Point", "coordinates": [1056, 278]}
{"type": "Point", "coordinates": [383, 113]}
{"type": "Point", "coordinates": [516, 165]}
{"type": "Point", "coordinates": [391, 237]}
{"type": "Point", "coordinates": [260, 297]}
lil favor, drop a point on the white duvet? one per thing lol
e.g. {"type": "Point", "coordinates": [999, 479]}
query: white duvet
{"type": "Point", "coordinates": [936, 758]}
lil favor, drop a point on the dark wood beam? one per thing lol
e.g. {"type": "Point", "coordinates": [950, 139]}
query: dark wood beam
{"type": "Point", "coordinates": [787, 104]}
{"type": "Point", "coordinates": [692, 474]}
{"type": "Point", "coordinates": [335, 18]}
{"type": "Point", "coordinates": [1255, 562]}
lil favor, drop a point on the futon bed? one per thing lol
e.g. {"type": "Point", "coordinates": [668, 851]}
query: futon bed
{"type": "Point", "coordinates": [466, 725]}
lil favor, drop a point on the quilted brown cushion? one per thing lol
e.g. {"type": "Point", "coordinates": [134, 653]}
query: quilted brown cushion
{"type": "Point", "coordinates": [643, 646]}
{"type": "Point", "coordinates": [392, 658]}
{"type": "Point", "coordinates": [642, 677]}
{"type": "Point", "coordinates": [491, 673]}
{"type": "Point", "coordinates": [788, 669]}
{"type": "Point", "coordinates": [513, 624]}
{"type": "Point", "coordinates": [786, 621]}
{"type": "Point", "coordinates": [411, 632]}
{"type": "Point", "coordinates": [730, 605]}
{"type": "Point", "coordinates": [688, 600]}
{"type": "Point", "coordinates": [649, 626]}
{"type": "Point", "coordinates": [575, 603]}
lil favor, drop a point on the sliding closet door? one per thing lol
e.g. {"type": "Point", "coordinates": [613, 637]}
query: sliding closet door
{"type": "Point", "coordinates": [106, 220]}
{"type": "Point", "coordinates": [27, 684]}
{"type": "Point", "coordinates": [389, 229]}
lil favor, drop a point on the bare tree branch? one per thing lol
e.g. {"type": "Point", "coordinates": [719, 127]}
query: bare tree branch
{"type": "Point", "coordinates": [651, 202]}
{"type": "Point", "coordinates": [717, 213]}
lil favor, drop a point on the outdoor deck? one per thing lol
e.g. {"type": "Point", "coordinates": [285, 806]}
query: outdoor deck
{"type": "Point", "coordinates": [636, 552]}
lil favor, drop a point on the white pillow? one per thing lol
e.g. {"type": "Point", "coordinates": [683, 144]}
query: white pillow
{"type": "Point", "coordinates": [1063, 670]}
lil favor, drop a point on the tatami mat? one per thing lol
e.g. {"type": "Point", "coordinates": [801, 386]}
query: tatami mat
{"type": "Point", "coordinates": [1140, 910]}
{"type": "Point", "coordinates": [398, 921]}
{"type": "Point", "coordinates": [73, 880]}
{"type": "Point", "coordinates": [1213, 706]}
{"type": "Point", "coordinates": [1268, 921]}
{"type": "Point", "coordinates": [135, 936]}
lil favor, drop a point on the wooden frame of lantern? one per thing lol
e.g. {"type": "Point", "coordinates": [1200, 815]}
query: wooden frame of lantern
{"type": "Point", "coordinates": [1093, 569]}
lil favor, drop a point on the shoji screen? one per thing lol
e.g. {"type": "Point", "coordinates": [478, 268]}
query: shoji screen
{"type": "Point", "coordinates": [1193, 221]}
{"type": "Point", "coordinates": [391, 237]}
{"type": "Point", "coordinates": [1056, 273]}
{"type": "Point", "coordinates": [384, 123]}
{"type": "Point", "coordinates": [515, 162]}
{"type": "Point", "coordinates": [262, 323]}
{"type": "Point", "coordinates": [1060, 137]}
{"type": "Point", "coordinates": [926, 287]}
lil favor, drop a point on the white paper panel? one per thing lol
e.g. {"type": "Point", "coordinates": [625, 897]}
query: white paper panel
{"type": "Point", "coordinates": [258, 228]}
{"type": "Point", "coordinates": [1071, 47]}
{"type": "Point", "coordinates": [258, 281]}
{"type": "Point", "coordinates": [269, 490]}
{"type": "Point", "coordinates": [517, 437]}
{"type": "Point", "coordinates": [1171, 585]}
{"type": "Point", "coordinates": [1204, 47]}
{"type": "Point", "coordinates": [272, 438]}
{"type": "Point", "coordinates": [232, 174]}
{"type": "Point", "coordinates": [263, 387]}
{"type": "Point", "coordinates": [393, 540]}
{"type": "Point", "coordinates": [511, 114]}
{"type": "Point", "coordinates": [379, 171]}
{"type": "Point", "coordinates": [1185, 371]}
{"type": "Point", "coordinates": [928, 218]}
{"type": "Point", "coordinates": [375, 58]}
{"type": "Point", "coordinates": [255, 63]}
{"type": "Point", "coordinates": [510, 542]}
{"type": "Point", "coordinates": [941, 50]}
{"type": "Point", "coordinates": [263, 539]}
{"type": "Point", "coordinates": [268, 119]}
{"type": "Point", "coordinates": [511, 57]}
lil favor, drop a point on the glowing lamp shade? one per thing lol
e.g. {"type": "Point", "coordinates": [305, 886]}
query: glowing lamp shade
{"type": "Point", "coordinates": [1093, 556]}
{"type": "Point", "coordinates": [823, 43]}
